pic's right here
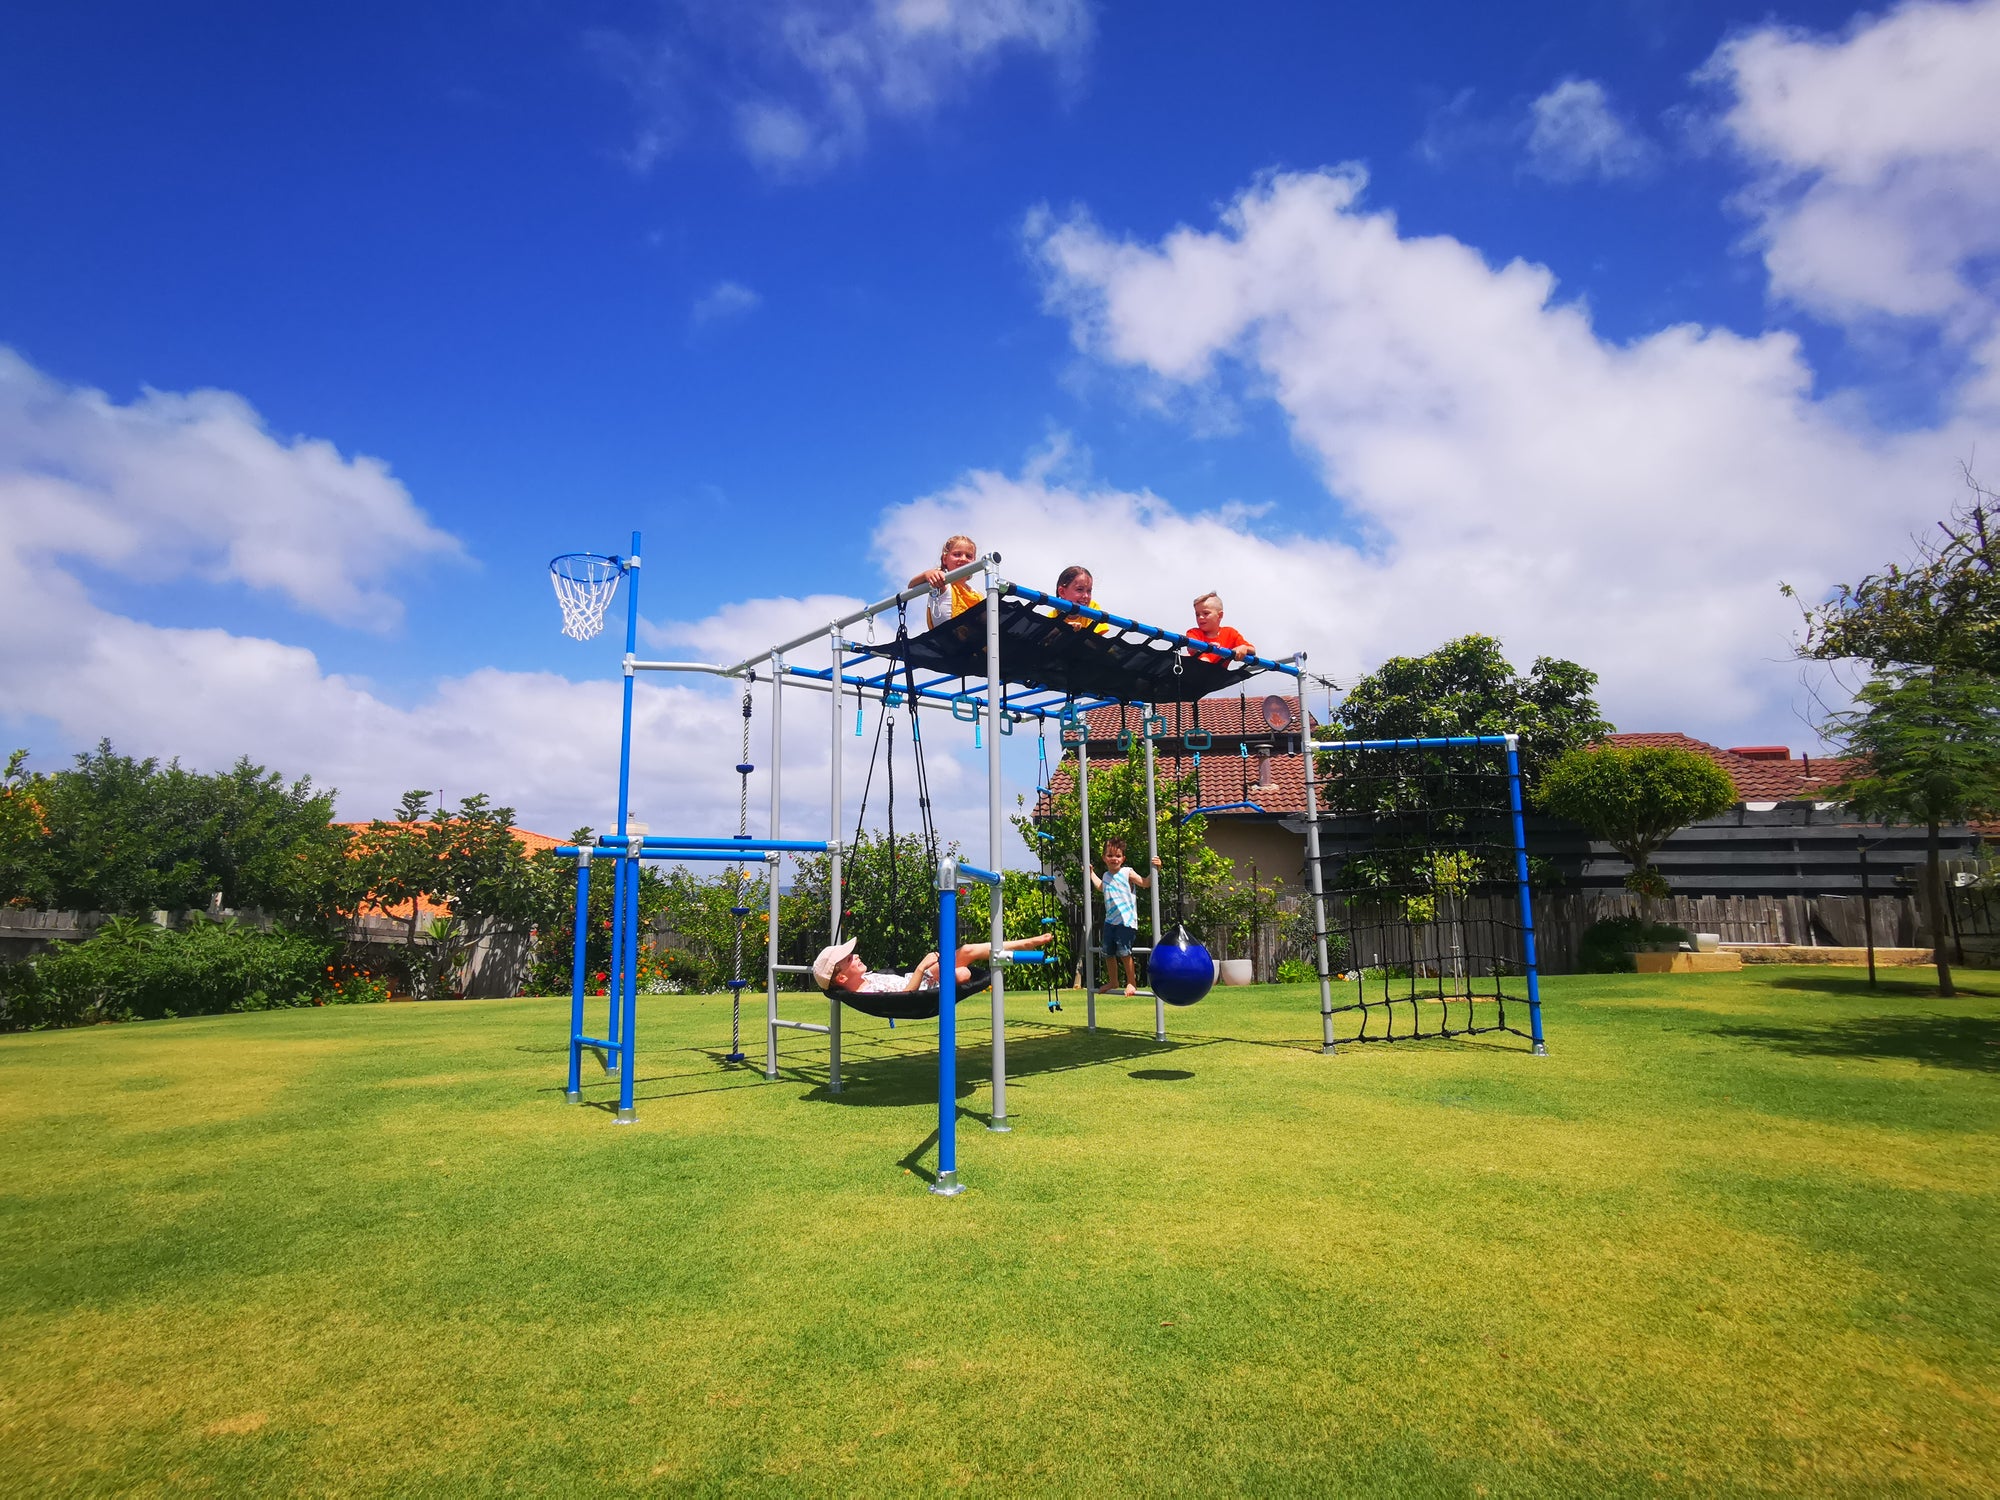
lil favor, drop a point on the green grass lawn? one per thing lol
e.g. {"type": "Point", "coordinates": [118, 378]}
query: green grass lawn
{"type": "Point", "coordinates": [1733, 1234]}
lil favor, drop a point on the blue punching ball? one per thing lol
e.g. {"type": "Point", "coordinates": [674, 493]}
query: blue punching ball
{"type": "Point", "coordinates": [1181, 970]}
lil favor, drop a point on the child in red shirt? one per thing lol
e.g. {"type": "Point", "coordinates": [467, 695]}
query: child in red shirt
{"type": "Point", "coordinates": [1208, 627]}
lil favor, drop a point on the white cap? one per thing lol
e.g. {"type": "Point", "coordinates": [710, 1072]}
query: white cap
{"type": "Point", "coordinates": [830, 959]}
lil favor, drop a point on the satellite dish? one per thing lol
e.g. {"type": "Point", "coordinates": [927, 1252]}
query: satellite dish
{"type": "Point", "coordinates": [1277, 712]}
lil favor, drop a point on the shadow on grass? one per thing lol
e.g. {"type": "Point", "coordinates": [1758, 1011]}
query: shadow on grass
{"type": "Point", "coordinates": [1970, 1043]}
{"type": "Point", "coordinates": [914, 1162]}
{"type": "Point", "coordinates": [1900, 983]}
{"type": "Point", "coordinates": [911, 1078]}
{"type": "Point", "coordinates": [881, 1070]}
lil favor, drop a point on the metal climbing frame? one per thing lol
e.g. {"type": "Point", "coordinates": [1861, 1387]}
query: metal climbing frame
{"type": "Point", "coordinates": [855, 666]}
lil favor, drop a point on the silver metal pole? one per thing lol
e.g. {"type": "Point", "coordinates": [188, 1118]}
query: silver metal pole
{"type": "Point", "coordinates": [861, 614]}
{"type": "Point", "coordinates": [773, 868]}
{"type": "Point", "coordinates": [1153, 885]}
{"type": "Point", "coordinates": [833, 892]}
{"type": "Point", "coordinates": [685, 666]}
{"type": "Point", "coordinates": [995, 858]}
{"type": "Point", "coordinates": [1083, 805]}
{"type": "Point", "coordinates": [1312, 871]}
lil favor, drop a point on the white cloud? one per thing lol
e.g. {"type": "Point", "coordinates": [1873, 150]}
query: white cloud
{"type": "Point", "coordinates": [735, 631]}
{"type": "Point", "coordinates": [1456, 127]}
{"type": "Point", "coordinates": [726, 299]}
{"type": "Point", "coordinates": [1878, 161]}
{"type": "Point", "coordinates": [802, 82]}
{"type": "Point", "coordinates": [193, 486]}
{"type": "Point", "coordinates": [659, 80]}
{"type": "Point", "coordinates": [172, 484]}
{"type": "Point", "coordinates": [1573, 134]}
{"type": "Point", "coordinates": [1631, 506]}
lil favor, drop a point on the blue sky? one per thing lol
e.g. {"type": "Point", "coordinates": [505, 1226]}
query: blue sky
{"type": "Point", "coordinates": [788, 286]}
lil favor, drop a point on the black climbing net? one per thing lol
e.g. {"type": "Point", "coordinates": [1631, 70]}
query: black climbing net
{"type": "Point", "coordinates": [1426, 935]}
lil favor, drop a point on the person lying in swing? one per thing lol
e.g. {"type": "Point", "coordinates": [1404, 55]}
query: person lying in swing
{"type": "Point", "coordinates": [841, 968]}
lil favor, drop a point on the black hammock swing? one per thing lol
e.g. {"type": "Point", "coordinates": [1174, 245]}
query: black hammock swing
{"type": "Point", "coordinates": [1040, 649]}
{"type": "Point", "coordinates": [903, 1005]}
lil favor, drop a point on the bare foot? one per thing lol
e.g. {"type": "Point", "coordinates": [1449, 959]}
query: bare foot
{"type": "Point", "coordinates": [1130, 991]}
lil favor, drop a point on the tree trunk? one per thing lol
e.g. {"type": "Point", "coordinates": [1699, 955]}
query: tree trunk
{"type": "Point", "coordinates": [1934, 887]}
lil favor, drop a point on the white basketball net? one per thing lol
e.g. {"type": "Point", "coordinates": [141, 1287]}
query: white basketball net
{"type": "Point", "coordinates": [584, 584]}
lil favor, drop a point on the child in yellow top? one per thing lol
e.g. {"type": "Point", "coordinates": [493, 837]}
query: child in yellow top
{"type": "Point", "coordinates": [1074, 583]}
{"type": "Point", "coordinates": [950, 599]}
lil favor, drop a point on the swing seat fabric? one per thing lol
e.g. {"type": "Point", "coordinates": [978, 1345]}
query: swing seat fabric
{"type": "Point", "coordinates": [1040, 649]}
{"type": "Point", "coordinates": [908, 1005]}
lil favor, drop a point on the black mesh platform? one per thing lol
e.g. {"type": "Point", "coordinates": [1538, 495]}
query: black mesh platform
{"type": "Point", "coordinates": [1038, 649]}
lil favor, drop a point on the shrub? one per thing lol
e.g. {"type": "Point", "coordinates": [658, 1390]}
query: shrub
{"type": "Point", "coordinates": [1636, 799]}
{"type": "Point", "coordinates": [1296, 971]}
{"type": "Point", "coordinates": [135, 971]}
{"type": "Point", "coordinates": [349, 987]}
{"type": "Point", "coordinates": [1608, 945]}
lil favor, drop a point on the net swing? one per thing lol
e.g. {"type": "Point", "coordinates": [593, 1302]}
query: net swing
{"type": "Point", "coordinates": [584, 583]}
{"type": "Point", "coordinates": [906, 907]}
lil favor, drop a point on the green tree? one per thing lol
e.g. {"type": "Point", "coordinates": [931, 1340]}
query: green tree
{"type": "Point", "coordinates": [552, 881]}
{"type": "Point", "coordinates": [465, 860]}
{"type": "Point", "coordinates": [1930, 745]}
{"type": "Point", "coordinates": [482, 875]}
{"type": "Point", "coordinates": [888, 897]}
{"type": "Point", "coordinates": [1418, 802]}
{"type": "Point", "coordinates": [1466, 686]}
{"type": "Point", "coordinates": [130, 836]}
{"type": "Point", "coordinates": [1635, 800]}
{"type": "Point", "coordinates": [270, 845]}
{"type": "Point", "coordinates": [121, 836]}
{"type": "Point", "coordinates": [1940, 609]}
{"type": "Point", "coordinates": [25, 876]}
{"type": "Point", "coordinates": [395, 861]}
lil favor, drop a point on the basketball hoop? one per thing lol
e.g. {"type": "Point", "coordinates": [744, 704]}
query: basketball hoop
{"type": "Point", "coordinates": [584, 584]}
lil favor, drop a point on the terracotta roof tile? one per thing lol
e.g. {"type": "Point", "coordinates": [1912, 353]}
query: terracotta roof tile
{"type": "Point", "coordinates": [1232, 721]}
{"type": "Point", "coordinates": [1222, 768]}
{"type": "Point", "coordinates": [1757, 780]}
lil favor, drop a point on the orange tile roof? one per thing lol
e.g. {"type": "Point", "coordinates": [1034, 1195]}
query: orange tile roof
{"type": "Point", "coordinates": [1757, 779]}
{"type": "Point", "coordinates": [1233, 721]}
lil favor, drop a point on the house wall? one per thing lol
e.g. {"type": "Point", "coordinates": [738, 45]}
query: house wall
{"type": "Point", "coordinates": [1278, 852]}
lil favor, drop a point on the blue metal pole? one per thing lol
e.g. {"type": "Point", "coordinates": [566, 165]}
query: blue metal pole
{"type": "Point", "coordinates": [631, 654]}
{"type": "Point", "coordinates": [728, 845]}
{"type": "Point", "coordinates": [630, 994]}
{"type": "Point", "coordinates": [614, 989]}
{"type": "Point", "coordinates": [614, 959]}
{"type": "Point", "coordinates": [1527, 902]}
{"type": "Point", "coordinates": [947, 1184]}
{"type": "Point", "coordinates": [579, 972]}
